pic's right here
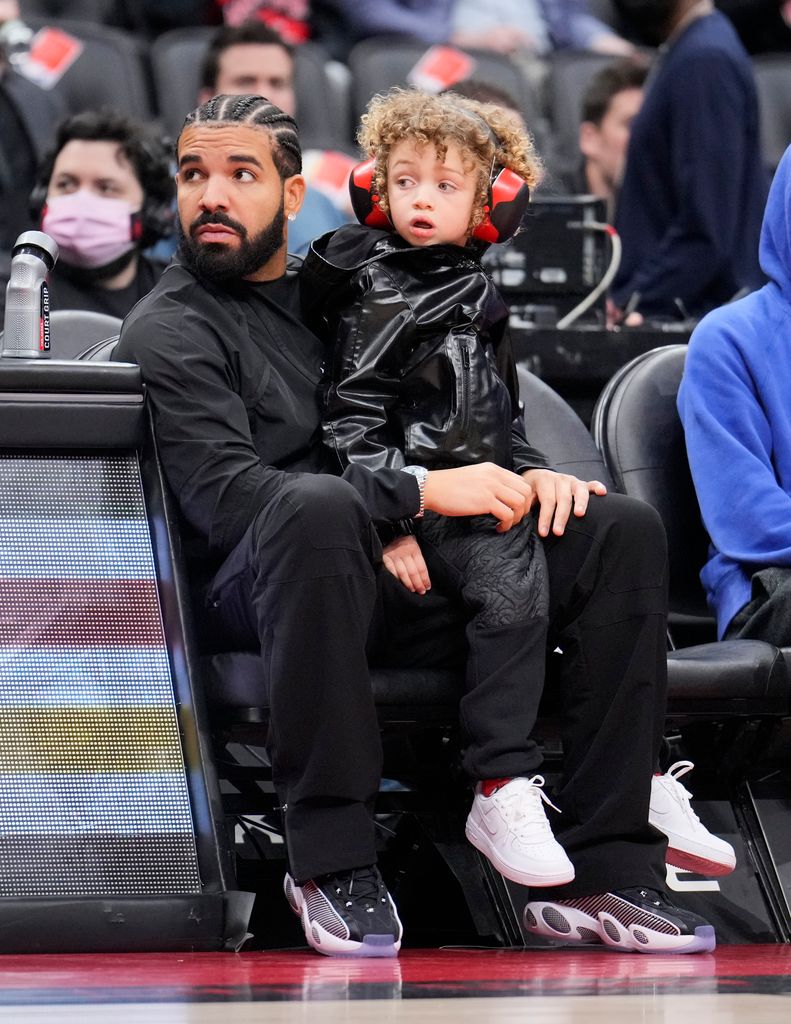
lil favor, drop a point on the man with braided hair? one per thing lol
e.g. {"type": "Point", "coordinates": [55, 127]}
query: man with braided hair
{"type": "Point", "coordinates": [293, 562]}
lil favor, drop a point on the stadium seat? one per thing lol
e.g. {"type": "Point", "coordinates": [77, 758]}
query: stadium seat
{"type": "Point", "coordinates": [379, 63]}
{"type": "Point", "coordinates": [322, 101]}
{"type": "Point", "coordinates": [639, 432]}
{"type": "Point", "coordinates": [71, 330]}
{"type": "Point", "coordinates": [568, 76]}
{"type": "Point", "coordinates": [727, 699]}
{"type": "Point", "coordinates": [110, 71]}
{"type": "Point", "coordinates": [773, 80]}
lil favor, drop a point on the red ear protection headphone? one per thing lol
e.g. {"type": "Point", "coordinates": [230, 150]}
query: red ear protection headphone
{"type": "Point", "coordinates": [505, 206]}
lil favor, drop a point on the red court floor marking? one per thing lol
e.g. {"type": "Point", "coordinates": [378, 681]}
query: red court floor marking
{"type": "Point", "coordinates": [177, 973]}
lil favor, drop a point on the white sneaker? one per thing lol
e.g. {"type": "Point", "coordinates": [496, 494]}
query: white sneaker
{"type": "Point", "coordinates": [511, 829]}
{"type": "Point", "coordinates": [690, 844]}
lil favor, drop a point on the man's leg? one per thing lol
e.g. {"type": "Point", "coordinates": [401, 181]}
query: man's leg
{"type": "Point", "coordinates": [302, 581]}
{"type": "Point", "coordinates": [608, 608]}
{"type": "Point", "coordinates": [608, 579]}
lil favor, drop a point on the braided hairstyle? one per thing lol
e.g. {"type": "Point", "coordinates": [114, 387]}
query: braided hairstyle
{"type": "Point", "coordinates": [257, 112]}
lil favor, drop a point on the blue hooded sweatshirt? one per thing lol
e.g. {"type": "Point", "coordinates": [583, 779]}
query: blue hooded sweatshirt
{"type": "Point", "coordinates": [735, 404]}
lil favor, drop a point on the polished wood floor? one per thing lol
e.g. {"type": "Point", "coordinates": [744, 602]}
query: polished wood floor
{"type": "Point", "coordinates": [744, 984]}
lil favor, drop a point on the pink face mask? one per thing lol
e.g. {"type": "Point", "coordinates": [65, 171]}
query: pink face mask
{"type": "Point", "coordinates": [91, 231]}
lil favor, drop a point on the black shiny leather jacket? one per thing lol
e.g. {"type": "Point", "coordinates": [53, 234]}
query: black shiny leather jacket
{"type": "Point", "coordinates": [422, 371]}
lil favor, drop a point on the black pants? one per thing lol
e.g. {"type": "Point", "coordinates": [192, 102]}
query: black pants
{"type": "Point", "coordinates": [304, 581]}
{"type": "Point", "coordinates": [767, 615]}
{"type": "Point", "coordinates": [501, 579]}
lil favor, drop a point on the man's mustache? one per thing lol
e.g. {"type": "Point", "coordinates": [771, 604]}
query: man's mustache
{"type": "Point", "coordinates": [217, 218]}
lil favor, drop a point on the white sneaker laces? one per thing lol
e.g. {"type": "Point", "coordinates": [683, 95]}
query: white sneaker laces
{"type": "Point", "coordinates": [521, 801]}
{"type": "Point", "coordinates": [681, 795]}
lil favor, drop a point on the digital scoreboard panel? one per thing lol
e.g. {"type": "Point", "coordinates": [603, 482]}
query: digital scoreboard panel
{"type": "Point", "coordinates": [93, 789]}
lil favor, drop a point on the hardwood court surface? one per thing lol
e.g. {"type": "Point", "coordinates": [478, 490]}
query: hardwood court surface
{"type": "Point", "coordinates": [744, 984]}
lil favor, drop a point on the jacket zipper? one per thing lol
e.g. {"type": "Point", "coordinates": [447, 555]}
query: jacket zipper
{"type": "Point", "coordinates": [465, 391]}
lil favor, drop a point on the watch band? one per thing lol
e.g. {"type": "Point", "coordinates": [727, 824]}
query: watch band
{"type": "Point", "coordinates": [420, 473]}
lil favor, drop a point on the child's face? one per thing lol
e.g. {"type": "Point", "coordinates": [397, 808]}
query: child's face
{"type": "Point", "coordinates": [431, 200]}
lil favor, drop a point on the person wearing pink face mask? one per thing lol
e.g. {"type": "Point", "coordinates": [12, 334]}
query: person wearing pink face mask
{"type": "Point", "coordinates": [104, 193]}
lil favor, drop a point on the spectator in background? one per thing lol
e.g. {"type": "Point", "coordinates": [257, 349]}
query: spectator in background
{"type": "Point", "coordinates": [610, 104]}
{"type": "Point", "coordinates": [690, 206]}
{"type": "Point", "coordinates": [537, 26]}
{"type": "Point", "coordinates": [104, 193]}
{"type": "Point", "coordinates": [504, 26]}
{"type": "Point", "coordinates": [28, 116]}
{"type": "Point", "coordinates": [252, 59]}
{"type": "Point", "coordinates": [289, 18]}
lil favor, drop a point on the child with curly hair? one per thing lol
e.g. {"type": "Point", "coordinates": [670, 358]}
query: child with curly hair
{"type": "Point", "coordinates": [422, 377]}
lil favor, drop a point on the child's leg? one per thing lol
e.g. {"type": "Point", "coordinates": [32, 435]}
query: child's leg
{"type": "Point", "coordinates": [502, 580]}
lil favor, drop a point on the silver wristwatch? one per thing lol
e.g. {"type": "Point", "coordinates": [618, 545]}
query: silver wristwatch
{"type": "Point", "coordinates": [420, 473]}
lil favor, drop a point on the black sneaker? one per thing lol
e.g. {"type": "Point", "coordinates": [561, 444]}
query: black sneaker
{"type": "Point", "coordinates": [348, 914]}
{"type": "Point", "coordinates": [641, 920]}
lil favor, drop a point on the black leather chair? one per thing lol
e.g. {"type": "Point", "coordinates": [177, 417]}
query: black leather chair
{"type": "Point", "coordinates": [72, 329]}
{"type": "Point", "coordinates": [730, 699]}
{"type": "Point", "coordinates": [638, 430]}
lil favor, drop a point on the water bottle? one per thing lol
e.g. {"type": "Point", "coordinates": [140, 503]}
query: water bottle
{"type": "Point", "coordinates": [26, 332]}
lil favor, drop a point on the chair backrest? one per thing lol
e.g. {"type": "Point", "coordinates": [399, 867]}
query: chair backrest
{"type": "Point", "coordinates": [101, 352]}
{"type": "Point", "coordinates": [552, 426]}
{"type": "Point", "coordinates": [322, 98]}
{"type": "Point", "coordinates": [110, 71]}
{"type": "Point", "coordinates": [569, 75]}
{"type": "Point", "coordinates": [638, 430]}
{"type": "Point", "coordinates": [74, 330]}
{"type": "Point", "coordinates": [773, 81]}
{"type": "Point", "coordinates": [379, 63]}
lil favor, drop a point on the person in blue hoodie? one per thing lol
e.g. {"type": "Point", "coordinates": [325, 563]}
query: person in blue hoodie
{"type": "Point", "coordinates": [734, 404]}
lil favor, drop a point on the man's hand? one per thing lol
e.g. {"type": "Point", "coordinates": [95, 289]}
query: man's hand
{"type": "Point", "coordinates": [404, 559]}
{"type": "Point", "coordinates": [478, 490]}
{"type": "Point", "coordinates": [556, 493]}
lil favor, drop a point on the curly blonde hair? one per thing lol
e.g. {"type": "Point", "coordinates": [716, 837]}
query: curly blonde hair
{"type": "Point", "coordinates": [441, 120]}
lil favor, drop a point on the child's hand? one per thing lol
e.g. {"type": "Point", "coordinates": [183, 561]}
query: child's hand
{"type": "Point", "coordinates": [404, 559]}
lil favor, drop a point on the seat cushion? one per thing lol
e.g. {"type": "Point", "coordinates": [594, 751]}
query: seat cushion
{"type": "Point", "coordinates": [712, 681]}
{"type": "Point", "coordinates": [727, 679]}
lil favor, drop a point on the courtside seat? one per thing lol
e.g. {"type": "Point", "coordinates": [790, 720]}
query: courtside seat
{"type": "Point", "coordinates": [638, 430]}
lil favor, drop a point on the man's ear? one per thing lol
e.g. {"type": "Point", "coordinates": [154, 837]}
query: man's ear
{"type": "Point", "coordinates": [293, 194]}
{"type": "Point", "coordinates": [589, 137]}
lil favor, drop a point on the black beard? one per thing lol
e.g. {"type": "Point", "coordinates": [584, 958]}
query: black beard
{"type": "Point", "coordinates": [221, 263]}
{"type": "Point", "coordinates": [93, 275]}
